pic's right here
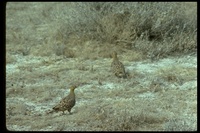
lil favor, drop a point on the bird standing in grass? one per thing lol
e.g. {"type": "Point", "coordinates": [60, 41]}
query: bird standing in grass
{"type": "Point", "coordinates": [67, 103]}
{"type": "Point", "coordinates": [117, 67]}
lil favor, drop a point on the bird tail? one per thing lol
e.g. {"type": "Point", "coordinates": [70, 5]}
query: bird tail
{"type": "Point", "coordinates": [56, 108]}
{"type": "Point", "coordinates": [50, 111]}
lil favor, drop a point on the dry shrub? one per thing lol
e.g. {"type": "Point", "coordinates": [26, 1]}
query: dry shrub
{"type": "Point", "coordinates": [153, 28]}
{"type": "Point", "coordinates": [164, 26]}
{"type": "Point", "coordinates": [112, 26]}
{"type": "Point", "coordinates": [157, 23]}
{"type": "Point", "coordinates": [132, 55]}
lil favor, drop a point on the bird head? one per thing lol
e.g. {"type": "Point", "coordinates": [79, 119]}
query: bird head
{"type": "Point", "coordinates": [114, 55]}
{"type": "Point", "coordinates": [73, 87]}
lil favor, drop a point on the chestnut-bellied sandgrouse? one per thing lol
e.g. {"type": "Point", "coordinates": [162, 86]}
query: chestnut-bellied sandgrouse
{"type": "Point", "coordinates": [117, 67]}
{"type": "Point", "coordinates": [67, 103]}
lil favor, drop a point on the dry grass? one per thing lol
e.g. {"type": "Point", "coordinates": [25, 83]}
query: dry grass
{"type": "Point", "coordinates": [178, 74]}
{"type": "Point", "coordinates": [121, 105]}
{"type": "Point", "coordinates": [10, 58]}
{"type": "Point", "coordinates": [72, 44]}
{"type": "Point", "coordinates": [154, 30]}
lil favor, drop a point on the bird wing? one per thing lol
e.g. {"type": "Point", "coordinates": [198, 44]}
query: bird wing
{"type": "Point", "coordinates": [117, 66]}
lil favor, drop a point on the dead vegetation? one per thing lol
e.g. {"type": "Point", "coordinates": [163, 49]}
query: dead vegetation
{"type": "Point", "coordinates": [152, 30]}
{"type": "Point", "coordinates": [72, 44]}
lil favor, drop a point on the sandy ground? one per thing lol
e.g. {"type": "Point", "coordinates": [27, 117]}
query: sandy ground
{"type": "Point", "coordinates": [159, 95]}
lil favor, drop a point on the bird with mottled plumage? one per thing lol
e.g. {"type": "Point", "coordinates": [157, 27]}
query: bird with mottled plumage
{"type": "Point", "coordinates": [117, 67]}
{"type": "Point", "coordinates": [67, 103]}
